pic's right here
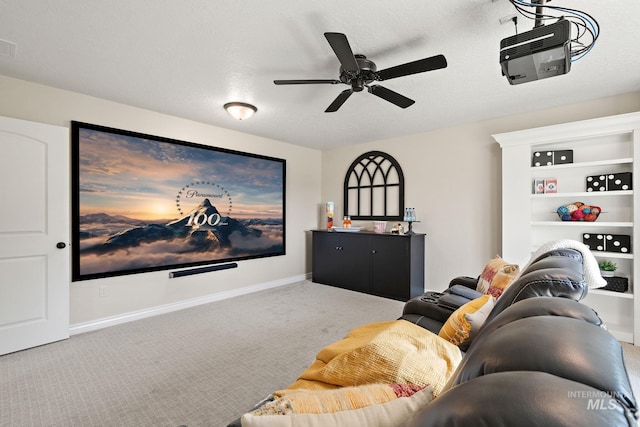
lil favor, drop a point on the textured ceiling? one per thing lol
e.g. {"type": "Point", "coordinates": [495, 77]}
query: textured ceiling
{"type": "Point", "coordinates": [187, 58]}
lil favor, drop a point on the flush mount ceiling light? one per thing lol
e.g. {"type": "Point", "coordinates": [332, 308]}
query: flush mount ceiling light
{"type": "Point", "coordinates": [240, 110]}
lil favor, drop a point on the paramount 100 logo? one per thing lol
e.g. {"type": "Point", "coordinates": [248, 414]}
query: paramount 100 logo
{"type": "Point", "coordinates": [203, 199]}
{"type": "Point", "coordinates": [597, 400]}
{"type": "Point", "coordinates": [201, 218]}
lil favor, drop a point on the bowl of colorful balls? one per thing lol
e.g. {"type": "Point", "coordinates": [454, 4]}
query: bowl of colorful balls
{"type": "Point", "coordinates": [578, 211]}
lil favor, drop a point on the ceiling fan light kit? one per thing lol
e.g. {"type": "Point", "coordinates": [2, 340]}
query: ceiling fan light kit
{"type": "Point", "coordinates": [359, 72]}
{"type": "Point", "coordinates": [240, 110]}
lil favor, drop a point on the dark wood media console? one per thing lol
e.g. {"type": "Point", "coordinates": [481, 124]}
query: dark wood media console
{"type": "Point", "coordinates": [387, 265]}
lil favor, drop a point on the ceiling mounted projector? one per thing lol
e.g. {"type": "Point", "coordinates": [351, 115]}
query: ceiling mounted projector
{"type": "Point", "coordinates": [537, 54]}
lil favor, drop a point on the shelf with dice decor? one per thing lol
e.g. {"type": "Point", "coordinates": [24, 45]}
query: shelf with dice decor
{"type": "Point", "coordinates": [591, 166]}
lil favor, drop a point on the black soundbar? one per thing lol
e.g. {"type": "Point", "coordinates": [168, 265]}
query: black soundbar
{"type": "Point", "coordinates": [189, 272]}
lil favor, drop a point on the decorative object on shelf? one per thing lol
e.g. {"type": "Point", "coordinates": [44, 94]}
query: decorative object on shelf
{"type": "Point", "coordinates": [578, 211]}
{"type": "Point", "coordinates": [409, 215]}
{"type": "Point", "coordinates": [619, 181]}
{"type": "Point", "coordinates": [610, 182]}
{"type": "Point", "coordinates": [619, 243]}
{"type": "Point", "coordinates": [397, 229]}
{"type": "Point", "coordinates": [410, 218]}
{"type": "Point", "coordinates": [379, 226]}
{"type": "Point", "coordinates": [346, 230]}
{"type": "Point", "coordinates": [616, 284]}
{"type": "Point", "coordinates": [346, 221]}
{"type": "Point", "coordinates": [538, 186]}
{"type": "Point", "coordinates": [546, 185]}
{"type": "Point", "coordinates": [607, 268]}
{"type": "Point", "coordinates": [329, 210]}
{"type": "Point", "coordinates": [595, 242]}
{"type": "Point", "coordinates": [550, 185]}
{"type": "Point", "coordinates": [549, 158]}
{"type": "Point", "coordinates": [596, 183]}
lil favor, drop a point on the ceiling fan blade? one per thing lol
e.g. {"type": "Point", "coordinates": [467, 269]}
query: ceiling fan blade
{"type": "Point", "coordinates": [305, 82]}
{"type": "Point", "coordinates": [337, 103]}
{"type": "Point", "coordinates": [419, 66]}
{"type": "Point", "coordinates": [342, 49]}
{"type": "Point", "coordinates": [391, 96]}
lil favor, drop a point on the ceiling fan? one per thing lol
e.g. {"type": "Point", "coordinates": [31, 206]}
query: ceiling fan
{"type": "Point", "coordinates": [359, 72]}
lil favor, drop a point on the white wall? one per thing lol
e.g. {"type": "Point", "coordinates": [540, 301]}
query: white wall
{"type": "Point", "coordinates": [135, 293]}
{"type": "Point", "coordinates": [453, 179]}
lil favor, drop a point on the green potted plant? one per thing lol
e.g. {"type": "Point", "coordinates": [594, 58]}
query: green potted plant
{"type": "Point", "coordinates": [607, 268]}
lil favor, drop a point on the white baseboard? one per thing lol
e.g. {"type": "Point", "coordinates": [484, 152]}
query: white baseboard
{"type": "Point", "coordinates": [105, 322]}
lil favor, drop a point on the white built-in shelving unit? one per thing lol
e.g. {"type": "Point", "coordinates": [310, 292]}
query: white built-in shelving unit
{"type": "Point", "coordinates": [600, 146]}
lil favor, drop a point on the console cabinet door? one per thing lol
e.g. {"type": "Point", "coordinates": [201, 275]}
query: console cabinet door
{"type": "Point", "coordinates": [390, 266]}
{"type": "Point", "coordinates": [341, 260]}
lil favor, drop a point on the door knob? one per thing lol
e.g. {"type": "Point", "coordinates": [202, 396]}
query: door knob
{"type": "Point", "coordinates": [61, 245]}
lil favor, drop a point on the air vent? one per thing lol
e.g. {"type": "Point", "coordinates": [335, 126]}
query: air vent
{"type": "Point", "coordinates": [7, 49]}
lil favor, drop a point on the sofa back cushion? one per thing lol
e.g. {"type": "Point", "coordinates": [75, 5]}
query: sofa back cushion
{"type": "Point", "coordinates": [565, 347]}
{"type": "Point", "coordinates": [559, 273]}
{"type": "Point", "coordinates": [523, 399]}
{"type": "Point", "coordinates": [541, 306]}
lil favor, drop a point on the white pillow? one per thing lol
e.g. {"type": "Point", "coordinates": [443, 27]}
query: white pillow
{"type": "Point", "coordinates": [393, 413]}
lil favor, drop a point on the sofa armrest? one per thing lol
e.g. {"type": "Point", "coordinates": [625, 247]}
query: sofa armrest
{"type": "Point", "coordinates": [469, 282]}
{"type": "Point", "coordinates": [428, 305]}
{"type": "Point", "coordinates": [463, 291]}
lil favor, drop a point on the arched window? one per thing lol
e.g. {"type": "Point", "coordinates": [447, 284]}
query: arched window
{"type": "Point", "coordinates": [374, 188]}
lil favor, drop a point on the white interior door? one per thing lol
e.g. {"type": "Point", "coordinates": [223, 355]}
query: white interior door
{"type": "Point", "coordinates": [34, 221]}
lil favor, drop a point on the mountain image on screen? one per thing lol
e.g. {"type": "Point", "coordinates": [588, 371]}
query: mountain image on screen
{"type": "Point", "coordinates": [118, 242]}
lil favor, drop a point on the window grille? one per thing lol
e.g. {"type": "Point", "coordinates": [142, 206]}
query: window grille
{"type": "Point", "coordinates": [374, 188]}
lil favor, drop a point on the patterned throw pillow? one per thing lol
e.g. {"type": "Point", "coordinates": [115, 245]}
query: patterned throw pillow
{"type": "Point", "coordinates": [497, 276]}
{"type": "Point", "coordinates": [463, 324]}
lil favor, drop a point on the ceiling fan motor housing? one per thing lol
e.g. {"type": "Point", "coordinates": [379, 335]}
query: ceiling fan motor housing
{"type": "Point", "coordinates": [358, 79]}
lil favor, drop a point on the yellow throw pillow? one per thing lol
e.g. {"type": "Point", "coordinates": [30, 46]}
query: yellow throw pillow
{"type": "Point", "coordinates": [464, 323]}
{"type": "Point", "coordinates": [497, 276]}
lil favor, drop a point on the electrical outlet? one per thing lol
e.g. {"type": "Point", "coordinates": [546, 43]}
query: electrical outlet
{"type": "Point", "coordinates": [102, 291]}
